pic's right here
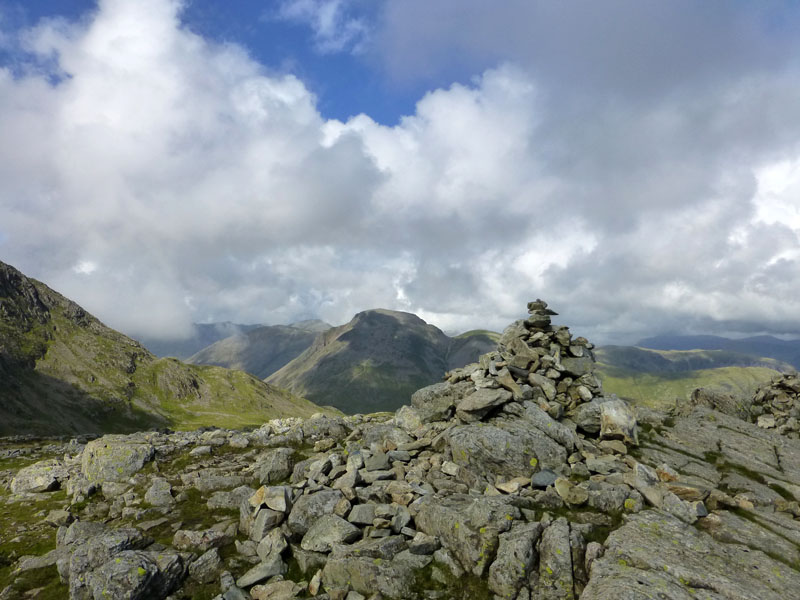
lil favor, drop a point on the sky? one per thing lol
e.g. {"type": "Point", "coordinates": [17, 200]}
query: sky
{"type": "Point", "coordinates": [634, 163]}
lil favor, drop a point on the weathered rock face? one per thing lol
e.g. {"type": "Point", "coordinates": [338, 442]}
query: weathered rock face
{"type": "Point", "coordinates": [514, 478]}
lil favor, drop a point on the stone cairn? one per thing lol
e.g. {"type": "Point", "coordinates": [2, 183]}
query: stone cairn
{"type": "Point", "coordinates": [777, 405]}
{"type": "Point", "coordinates": [536, 361]}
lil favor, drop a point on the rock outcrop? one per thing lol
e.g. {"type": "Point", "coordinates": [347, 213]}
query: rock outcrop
{"type": "Point", "coordinates": [515, 478]}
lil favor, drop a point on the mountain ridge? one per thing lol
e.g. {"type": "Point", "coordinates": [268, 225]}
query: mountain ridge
{"type": "Point", "coordinates": [64, 371]}
{"type": "Point", "coordinates": [376, 361]}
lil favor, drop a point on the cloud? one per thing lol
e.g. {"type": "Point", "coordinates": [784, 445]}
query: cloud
{"type": "Point", "coordinates": [162, 179]}
{"type": "Point", "coordinates": [334, 27]}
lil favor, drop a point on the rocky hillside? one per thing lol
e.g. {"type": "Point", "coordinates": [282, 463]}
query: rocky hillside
{"type": "Point", "coordinates": [62, 370]}
{"type": "Point", "coordinates": [263, 350]}
{"type": "Point", "coordinates": [376, 361]}
{"type": "Point", "coordinates": [515, 478]}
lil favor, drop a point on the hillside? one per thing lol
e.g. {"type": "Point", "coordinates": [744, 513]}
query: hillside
{"type": "Point", "coordinates": [63, 371]}
{"type": "Point", "coordinates": [761, 346]}
{"type": "Point", "coordinates": [376, 361]}
{"type": "Point", "coordinates": [202, 336]}
{"type": "Point", "coordinates": [658, 378]}
{"type": "Point", "coordinates": [263, 350]}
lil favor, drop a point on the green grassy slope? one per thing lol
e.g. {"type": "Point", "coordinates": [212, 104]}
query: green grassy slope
{"type": "Point", "coordinates": [658, 378]}
{"type": "Point", "coordinates": [63, 371]}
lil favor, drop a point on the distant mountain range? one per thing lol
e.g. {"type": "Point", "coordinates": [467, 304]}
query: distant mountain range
{"type": "Point", "coordinates": [62, 371]}
{"type": "Point", "coordinates": [263, 350]}
{"type": "Point", "coordinates": [658, 378]}
{"type": "Point", "coordinates": [762, 346]}
{"type": "Point", "coordinates": [202, 336]}
{"type": "Point", "coordinates": [377, 360]}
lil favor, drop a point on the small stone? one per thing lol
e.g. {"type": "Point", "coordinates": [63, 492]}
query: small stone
{"type": "Point", "coordinates": [205, 568]}
{"type": "Point", "coordinates": [570, 493]}
{"type": "Point", "coordinates": [543, 478]}
{"type": "Point", "coordinates": [766, 421]}
{"type": "Point", "coordinates": [450, 468]}
{"type": "Point", "coordinates": [262, 571]}
{"type": "Point", "coordinates": [509, 487]}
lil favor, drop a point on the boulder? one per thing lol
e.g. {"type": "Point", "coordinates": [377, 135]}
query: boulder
{"type": "Point", "coordinates": [137, 575]}
{"type": "Point", "coordinates": [327, 531]}
{"type": "Point", "coordinates": [310, 507]}
{"type": "Point", "coordinates": [114, 458]}
{"type": "Point", "coordinates": [274, 466]}
{"type": "Point", "coordinates": [43, 476]}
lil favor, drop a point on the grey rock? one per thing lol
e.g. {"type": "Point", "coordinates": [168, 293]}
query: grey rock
{"type": "Point", "coordinates": [475, 406]}
{"type": "Point", "coordinates": [423, 543]}
{"type": "Point", "coordinates": [327, 531]}
{"type": "Point", "coordinates": [262, 571]}
{"type": "Point", "coordinates": [274, 466]}
{"type": "Point", "coordinates": [555, 563]}
{"type": "Point", "coordinates": [276, 590]}
{"type": "Point", "coordinates": [468, 527]}
{"type": "Point", "coordinates": [516, 559]}
{"type": "Point", "coordinates": [544, 384]}
{"type": "Point", "coordinates": [508, 448]}
{"type": "Point", "coordinates": [550, 427]}
{"type": "Point", "coordinates": [310, 507]}
{"type": "Point", "coordinates": [43, 476]}
{"type": "Point", "coordinates": [377, 462]}
{"type": "Point", "coordinates": [274, 543]}
{"type": "Point", "coordinates": [229, 499]}
{"type": "Point", "coordinates": [437, 402]}
{"type": "Point", "coordinates": [137, 575]}
{"type": "Point", "coordinates": [576, 367]}
{"type": "Point", "coordinates": [362, 514]}
{"type": "Point", "coordinates": [618, 421]}
{"type": "Point", "coordinates": [636, 555]}
{"type": "Point", "coordinates": [587, 416]}
{"type": "Point", "coordinates": [200, 540]}
{"type": "Point", "coordinates": [114, 458]}
{"type": "Point", "coordinates": [159, 493]}
{"type": "Point", "coordinates": [206, 568]}
{"type": "Point", "coordinates": [543, 478]}
{"type": "Point", "coordinates": [265, 520]}
{"type": "Point", "coordinates": [408, 418]}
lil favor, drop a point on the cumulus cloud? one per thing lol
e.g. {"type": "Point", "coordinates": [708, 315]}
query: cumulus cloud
{"type": "Point", "coordinates": [334, 27]}
{"type": "Point", "coordinates": [159, 178]}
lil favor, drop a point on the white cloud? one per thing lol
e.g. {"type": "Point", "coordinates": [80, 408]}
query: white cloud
{"type": "Point", "coordinates": [168, 179]}
{"type": "Point", "coordinates": [335, 29]}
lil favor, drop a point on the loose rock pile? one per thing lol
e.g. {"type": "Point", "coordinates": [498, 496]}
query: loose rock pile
{"type": "Point", "coordinates": [778, 405]}
{"type": "Point", "coordinates": [501, 482]}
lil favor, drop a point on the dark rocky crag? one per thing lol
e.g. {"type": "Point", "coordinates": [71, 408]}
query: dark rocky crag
{"type": "Point", "coordinates": [515, 478]}
{"type": "Point", "coordinates": [63, 371]}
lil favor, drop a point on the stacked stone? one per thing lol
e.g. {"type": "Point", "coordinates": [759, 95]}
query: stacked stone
{"type": "Point", "coordinates": [777, 405]}
{"type": "Point", "coordinates": [536, 360]}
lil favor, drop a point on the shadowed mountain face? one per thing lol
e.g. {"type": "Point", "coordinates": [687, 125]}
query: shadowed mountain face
{"type": "Point", "coordinates": [263, 350]}
{"type": "Point", "coordinates": [376, 361]}
{"type": "Point", "coordinates": [762, 345]}
{"type": "Point", "coordinates": [63, 371]}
